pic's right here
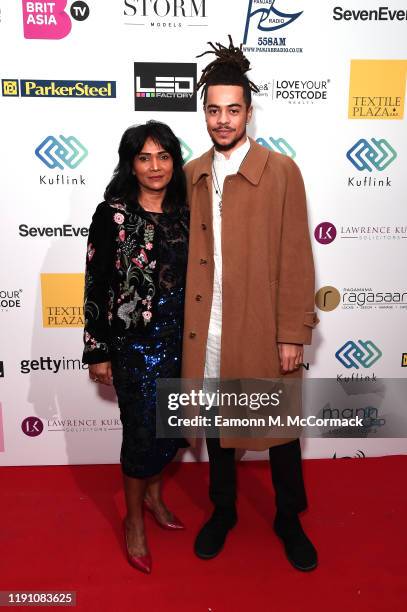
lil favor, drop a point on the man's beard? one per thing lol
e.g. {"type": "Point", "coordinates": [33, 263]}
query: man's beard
{"type": "Point", "coordinates": [231, 145]}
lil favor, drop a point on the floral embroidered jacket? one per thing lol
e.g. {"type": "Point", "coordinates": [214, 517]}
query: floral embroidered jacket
{"type": "Point", "coordinates": [133, 258]}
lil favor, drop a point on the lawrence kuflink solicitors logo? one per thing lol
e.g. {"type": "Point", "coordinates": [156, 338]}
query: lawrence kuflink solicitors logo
{"type": "Point", "coordinates": [267, 25]}
{"type": "Point", "coordinates": [50, 88]}
{"type": "Point", "coordinates": [50, 20]}
{"type": "Point", "coordinates": [164, 87]}
{"type": "Point", "coordinates": [168, 15]}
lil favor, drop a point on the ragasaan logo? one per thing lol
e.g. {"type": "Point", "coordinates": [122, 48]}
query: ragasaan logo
{"type": "Point", "coordinates": [164, 87]}
{"type": "Point", "coordinates": [48, 20]}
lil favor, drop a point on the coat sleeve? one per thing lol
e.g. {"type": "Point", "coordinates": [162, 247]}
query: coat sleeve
{"type": "Point", "coordinates": [295, 303]}
{"type": "Point", "coordinates": [99, 263]}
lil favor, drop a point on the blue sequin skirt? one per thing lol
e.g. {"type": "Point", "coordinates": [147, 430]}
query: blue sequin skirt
{"type": "Point", "coordinates": [137, 361]}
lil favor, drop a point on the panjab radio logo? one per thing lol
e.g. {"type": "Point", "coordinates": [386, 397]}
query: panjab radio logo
{"type": "Point", "coordinates": [377, 89]}
{"type": "Point", "coordinates": [164, 87]}
{"type": "Point", "coordinates": [264, 22]}
{"type": "Point", "coordinates": [48, 20]}
{"type": "Point", "coordinates": [62, 300]}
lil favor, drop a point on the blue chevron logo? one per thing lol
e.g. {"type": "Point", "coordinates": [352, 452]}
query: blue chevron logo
{"type": "Point", "coordinates": [375, 154]}
{"type": "Point", "coordinates": [280, 145]}
{"type": "Point", "coordinates": [61, 152]}
{"type": "Point", "coordinates": [364, 353]}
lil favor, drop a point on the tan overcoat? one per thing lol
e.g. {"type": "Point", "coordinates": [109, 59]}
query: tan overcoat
{"type": "Point", "coordinates": [267, 269]}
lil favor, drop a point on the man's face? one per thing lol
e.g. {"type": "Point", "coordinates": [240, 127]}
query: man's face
{"type": "Point", "coordinates": [226, 116]}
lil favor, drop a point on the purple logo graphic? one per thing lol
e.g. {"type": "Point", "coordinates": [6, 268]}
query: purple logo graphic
{"type": "Point", "coordinates": [325, 232]}
{"type": "Point", "coordinates": [32, 426]}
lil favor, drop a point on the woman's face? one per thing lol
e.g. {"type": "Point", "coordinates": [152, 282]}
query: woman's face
{"type": "Point", "coordinates": [153, 167]}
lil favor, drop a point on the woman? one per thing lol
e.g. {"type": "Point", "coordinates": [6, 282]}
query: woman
{"type": "Point", "coordinates": [134, 295]}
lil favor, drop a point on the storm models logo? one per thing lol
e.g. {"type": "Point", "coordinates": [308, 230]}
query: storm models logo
{"type": "Point", "coordinates": [165, 13]}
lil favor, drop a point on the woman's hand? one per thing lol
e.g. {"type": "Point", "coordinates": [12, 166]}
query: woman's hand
{"type": "Point", "coordinates": [101, 372]}
{"type": "Point", "coordinates": [291, 356]}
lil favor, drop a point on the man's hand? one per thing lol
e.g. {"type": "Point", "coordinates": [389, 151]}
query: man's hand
{"type": "Point", "coordinates": [101, 372]}
{"type": "Point", "coordinates": [291, 356]}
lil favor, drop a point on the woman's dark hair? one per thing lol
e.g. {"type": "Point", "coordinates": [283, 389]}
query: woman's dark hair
{"type": "Point", "coordinates": [229, 68]}
{"type": "Point", "coordinates": [124, 185]}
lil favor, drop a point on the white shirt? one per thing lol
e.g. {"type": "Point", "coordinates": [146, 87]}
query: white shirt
{"type": "Point", "coordinates": [222, 167]}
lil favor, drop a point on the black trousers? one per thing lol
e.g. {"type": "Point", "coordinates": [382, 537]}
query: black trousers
{"type": "Point", "coordinates": [286, 470]}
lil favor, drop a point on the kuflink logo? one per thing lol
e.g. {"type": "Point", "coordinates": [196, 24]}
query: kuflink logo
{"type": "Point", "coordinates": [373, 154]}
{"type": "Point", "coordinates": [280, 145]}
{"type": "Point", "coordinates": [62, 152]}
{"type": "Point", "coordinates": [49, 19]}
{"type": "Point", "coordinates": [267, 17]}
{"type": "Point", "coordinates": [362, 353]}
{"type": "Point", "coordinates": [186, 151]}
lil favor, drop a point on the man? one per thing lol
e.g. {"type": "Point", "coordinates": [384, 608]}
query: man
{"type": "Point", "coordinates": [250, 290]}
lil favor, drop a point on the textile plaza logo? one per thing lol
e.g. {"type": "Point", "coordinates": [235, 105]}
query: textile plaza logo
{"type": "Point", "coordinates": [10, 299]}
{"type": "Point", "coordinates": [62, 300]}
{"type": "Point", "coordinates": [165, 14]}
{"type": "Point", "coordinates": [49, 364]}
{"type": "Point", "coordinates": [164, 87]}
{"type": "Point", "coordinates": [326, 232]}
{"type": "Point", "coordinates": [279, 145]}
{"type": "Point", "coordinates": [186, 151]}
{"type": "Point", "coordinates": [363, 353]}
{"type": "Point", "coordinates": [263, 19]}
{"type": "Point", "coordinates": [49, 19]}
{"type": "Point", "coordinates": [364, 298]}
{"type": "Point", "coordinates": [294, 91]}
{"type": "Point", "coordinates": [60, 153]}
{"type": "Point", "coordinates": [39, 88]}
{"type": "Point", "coordinates": [32, 426]}
{"type": "Point", "coordinates": [377, 89]}
{"type": "Point", "coordinates": [64, 231]}
{"type": "Point", "coordinates": [376, 154]}
{"type": "Point", "coordinates": [382, 13]}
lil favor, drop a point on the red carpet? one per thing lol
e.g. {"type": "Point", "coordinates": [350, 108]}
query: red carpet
{"type": "Point", "coordinates": [61, 529]}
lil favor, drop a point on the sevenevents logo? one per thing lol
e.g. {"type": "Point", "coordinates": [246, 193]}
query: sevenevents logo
{"type": "Point", "coordinates": [355, 354]}
{"type": "Point", "coordinates": [164, 86]}
{"type": "Point", "coordinates": [49, 20]}
{"type": "Point", "coordinates": [374, 155]}
{"type": "Point", "coordinates": [382, 13]}
{"type": "Point", "coordinates": [279, 145]}
{"type": "Point", "coordinates": [40, 88]}
{"type": "Point", "coordinates": [62, 152]}
{"type": "Point", "coordinates": [267, 19]}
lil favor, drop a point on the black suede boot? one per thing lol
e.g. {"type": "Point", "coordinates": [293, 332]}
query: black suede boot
{"type": "Point", "coordinates": [299, 549]}
{"type": "Point", "coordinates": [211, 538]}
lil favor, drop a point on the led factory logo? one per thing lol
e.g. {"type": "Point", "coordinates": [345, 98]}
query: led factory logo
{"type": "Point", "coordinates": [353, 355]}
{"type": "Point", "coordinates": [374, 155]}
{"type": "Point", "coordinates": [164, 86]}
{"type": "Point", "coordinates": [62, 152]}
{"type": "Point", "coordinates": [268, 18]}
{"type": "Point", "coordinates": [48, 20]}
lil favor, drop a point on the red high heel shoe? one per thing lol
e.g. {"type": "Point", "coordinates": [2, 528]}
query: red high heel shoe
{"type": "Point", "coordinates": [175, 524]}
{"type": "Point", "coordinates": [143, 563]}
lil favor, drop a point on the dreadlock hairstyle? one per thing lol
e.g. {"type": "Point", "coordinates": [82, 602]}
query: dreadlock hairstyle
{"type": "Point", "coordinates": [229, 68]}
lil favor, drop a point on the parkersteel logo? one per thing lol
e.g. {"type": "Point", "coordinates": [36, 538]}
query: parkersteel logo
{"type": "Point", "coordinates": [61, 152]}
{"type": "Point", "coordinates": [263, 19]}
{"type": "Point", "coordinates": [164, 87]}
{"type": "Point", "coordinates": [48, 20]}
{"type": "Point", "coordinates": [39, 88]}
{"type": "Point", "coordinates": [279, 145]}
{"type": "Point", "coordinates": [363, 353]}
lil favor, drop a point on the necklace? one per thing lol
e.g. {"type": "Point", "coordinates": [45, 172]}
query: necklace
{"type": "Point", "coordinates": [216, 185]}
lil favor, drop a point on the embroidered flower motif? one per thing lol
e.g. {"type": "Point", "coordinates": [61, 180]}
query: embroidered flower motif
{"type": "Point", "coordinates": [147, 316]}
{"type": "Point", "coordinates": [118, 218]}
{"type": "Point", "coordinates": [117, 263]}
{"type": "Point", "coordinates": [87, 336]}
{"type": "Point", "coordinates": [122, 235]}
{"type": "Point", "coordinates": [91, 251]}
{"type": "Point", "coordinates": [149, 246]}
{"type": "Point", "coordinates": [152, 264]}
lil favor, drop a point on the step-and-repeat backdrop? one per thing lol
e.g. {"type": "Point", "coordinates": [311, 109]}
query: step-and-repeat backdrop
{"type": "Point", "coordinates": [75, 74]}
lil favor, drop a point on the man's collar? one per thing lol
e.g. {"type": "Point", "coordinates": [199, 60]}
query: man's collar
{"type": "Point", "coordinates": [251, 168]}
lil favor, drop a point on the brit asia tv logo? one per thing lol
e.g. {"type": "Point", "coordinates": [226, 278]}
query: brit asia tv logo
{"type": "Point", "coordinates": [49, 20]}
